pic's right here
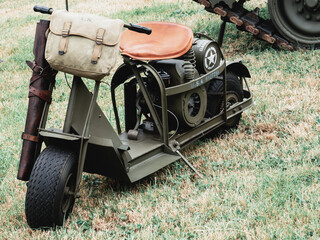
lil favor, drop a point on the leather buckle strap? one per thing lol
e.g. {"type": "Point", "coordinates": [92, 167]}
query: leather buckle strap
{"type": "Point", "coordinates": [99, 37]}
{"type": "Point", "coordinates": [64, 40]}
{"type": "Point", "coordinates": [29, 137]}
{"type": "Point", "coordinates": [40, 71]}
{"type": "Point", "coordinates": [98, 47]}
{"type": "Point", "coordinates": [45, 72]}
{"type": "Point", "coordinates": [43, 94]}
{"type": "Point", "coordinates": [35, 67]}
{"type": "Point", "coordinates": [66, 29]}
{"type": "Point", "coordinates": [34, 78]}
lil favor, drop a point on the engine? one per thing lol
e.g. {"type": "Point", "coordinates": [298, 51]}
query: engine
{"type": "Point", "coordinates": [187, 109]}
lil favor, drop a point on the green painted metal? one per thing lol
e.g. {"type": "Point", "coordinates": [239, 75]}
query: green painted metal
{"type": "Point", "coordinates": [128, 160]}
{"type": "Point", "coordinates": [198, 81]}
{"type": "Point", "coordinates": [85, 135]}
{"type": "Point", "coordinates": [211, 124]}
{"type": "Point", "coordinates": [87, 128]}
{"type": "Point", "coordinates": [104, 151]}
{"type": "Point", "coordinates": [88, 134]}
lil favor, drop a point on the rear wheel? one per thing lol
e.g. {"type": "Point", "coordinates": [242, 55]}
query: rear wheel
{"type": "Point", "coordinates": [50, 193]}
{"type": "Point", "coordinates": [216, 101]}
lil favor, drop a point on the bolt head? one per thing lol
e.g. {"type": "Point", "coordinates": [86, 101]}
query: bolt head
{"type": "Point", "coordinates": [308, 16]}
{"type": "Point", "coordinates": [311, 3]}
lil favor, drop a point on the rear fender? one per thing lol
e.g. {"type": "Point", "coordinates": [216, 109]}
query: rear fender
{"type": "Point", "coordinates": [238, 68]}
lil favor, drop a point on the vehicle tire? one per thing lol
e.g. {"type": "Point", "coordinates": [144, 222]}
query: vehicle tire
{"type": "Point", "coordinates": [297, 21]}
{"type": "Point", "coordinates": [53, 178]}
{"type": "Point", "coordinates": [215, 98]}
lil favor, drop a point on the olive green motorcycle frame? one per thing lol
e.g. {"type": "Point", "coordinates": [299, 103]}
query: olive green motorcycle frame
{"type": "Point", "coordinates": [102, 150]}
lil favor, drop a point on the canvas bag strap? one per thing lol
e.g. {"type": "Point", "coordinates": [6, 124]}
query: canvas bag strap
{"type": "Point", "coordinates": [64, 40]}
{"type": "Point", "coordinates": [98, 47]}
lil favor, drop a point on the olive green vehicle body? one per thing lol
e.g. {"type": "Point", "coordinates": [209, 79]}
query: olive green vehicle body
{"type": "Point", "coordinates": [104, 151]}
{"type": "Point", "coordinates": [169, 102]}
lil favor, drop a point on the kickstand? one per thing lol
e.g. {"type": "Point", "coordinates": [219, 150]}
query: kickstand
{"type": "Point", "coordinates": [189, 164]}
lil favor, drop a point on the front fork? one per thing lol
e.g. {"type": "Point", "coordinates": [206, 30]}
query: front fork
{"type": "Point", "coordinates": [85, 136]}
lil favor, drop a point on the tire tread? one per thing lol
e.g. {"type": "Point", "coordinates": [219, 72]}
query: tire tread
{"type": "Point", "coordinates": [42, 186]}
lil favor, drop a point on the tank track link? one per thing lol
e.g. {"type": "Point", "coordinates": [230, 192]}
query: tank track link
{"type": "Point", "coordinates": [248, 21]}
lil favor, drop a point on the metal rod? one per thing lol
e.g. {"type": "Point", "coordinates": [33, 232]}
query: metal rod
{"type": "Point", "coordinates": [189, 164]}
{"type": "Point", "coordinates": [221, 33]}
{"type": "Point", "coordinates": [164, 112]}
{"type": "Point", "coordinates": [43, 121]}
{"type": "Point", "coordinates": [115, 110]}
{"type": "Point", "coordinates": [67, 5]}
{"type": "Point", "coordinates": [147, 98]}
{"type": "Point", "coordinates": [225, 95]}
{"type": "Point", "coordinates": [45, 111]}
{"type": "Point", "coordinates": [71, 104]}
{"type": "Point", "coordinates": [85, 136]}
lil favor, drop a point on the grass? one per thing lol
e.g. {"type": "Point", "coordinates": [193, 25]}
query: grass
{"type": "Point", "coordinates": [261, 181]}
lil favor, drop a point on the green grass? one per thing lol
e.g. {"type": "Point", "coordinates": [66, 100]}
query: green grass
{"type": "Point", "coordinates": [261, 181]}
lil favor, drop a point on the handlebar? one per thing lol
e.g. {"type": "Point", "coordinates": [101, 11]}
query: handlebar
{"type": "Point", "coordinates": [130, 26]}
{"type": "Point", "coordinates": [42, 9]}
{"type": "Point", "coordinates": [138, 28]}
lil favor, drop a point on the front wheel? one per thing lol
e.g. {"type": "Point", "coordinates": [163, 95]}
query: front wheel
{"type": "Point", "coordinates": [50, 193]}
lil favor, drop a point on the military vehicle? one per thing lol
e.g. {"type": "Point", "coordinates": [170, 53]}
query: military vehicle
{"type": "Point", "coordinates": [293, 23]}
{"type": "Point", "coordinates": [177, 87]}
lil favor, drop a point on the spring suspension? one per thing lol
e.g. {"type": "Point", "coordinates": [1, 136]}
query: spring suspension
{"type": "Point", "coordinates": [190, 57]}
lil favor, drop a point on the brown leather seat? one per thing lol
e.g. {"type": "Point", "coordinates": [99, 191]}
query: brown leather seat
{"type": "Point", "coordinates": [167, 40]}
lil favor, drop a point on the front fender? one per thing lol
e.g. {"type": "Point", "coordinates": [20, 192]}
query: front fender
{"type": "Point", "coordinates": [122, 74]}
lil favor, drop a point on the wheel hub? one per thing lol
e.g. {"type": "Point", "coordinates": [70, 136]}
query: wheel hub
{"type": "Point", "coordinates": [232, 98]}
{"type": "Point", "coordinates": [303, 15]}
{"type": "Point", "coordinates": [68, 193]}
{"type": "Point", "coordinates": [297, 20]}
{"type": "Point", "coordinates": [308, 9]}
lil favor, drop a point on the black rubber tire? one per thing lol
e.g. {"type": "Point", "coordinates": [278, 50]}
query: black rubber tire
{"type": "Point", "coordinates": [47, 204]}
{"type": "Point", "coordinates": [292, 23]}
{"type": "Point", "coordinates": [215, 102]}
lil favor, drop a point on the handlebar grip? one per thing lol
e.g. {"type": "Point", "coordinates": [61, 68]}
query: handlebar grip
{"type": "Point", "coordinates": [140, 29]}
{"type": "Point", "coordinates": [42, 9]}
